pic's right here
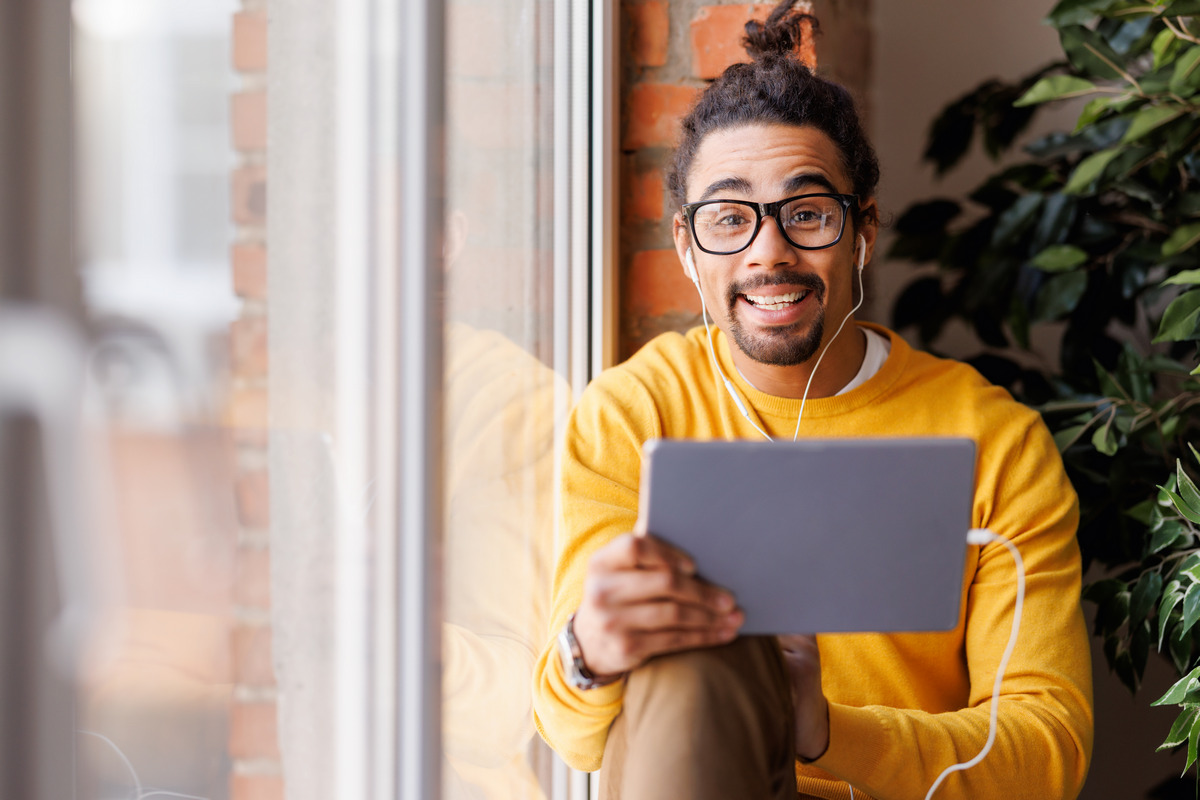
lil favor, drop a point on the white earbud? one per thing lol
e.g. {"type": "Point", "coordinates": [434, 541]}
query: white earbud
{"type": "Point", "coordinates": [862, 251]}
{"type": "Point", "coordinates": [690, 267]}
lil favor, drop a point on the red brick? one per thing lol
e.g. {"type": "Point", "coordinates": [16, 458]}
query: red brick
{"type": "Point", "coordinates": [249, 262]}
{"type": "Point", "coordinates": [248, 189]}
{"type": "Point", "coordinates": [717, 33]}
{"type": "Point", "coordinates": [248, 346]}
{"type": "Point", "coordinates": [656, 285]}
{"type": "Point", "coordinates": [252, 656]}
{"type": "Point", "coordinates": [651, 26]}
{"type": "Point", "coordinates": [250, 41]}
{"type": "Point", "coordinates": [655, 110]}
{"type": "Point", "coordinates": [644, 197]}
{"type": "Point", "coordinates": [253, 731]}
{"type": "Point", "coordinates": [248, 115]}
{"type": "Point", "coordinates": [256, 787]}
{"type": "Point", "coordinates": [254, 499]}
{"type": "Point", "coordinates": [253, 579]}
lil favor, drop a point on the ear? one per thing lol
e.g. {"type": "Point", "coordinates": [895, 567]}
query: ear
{"type": "Point", "coordinates": [869, 227]}
{"type": "Point", "coordinates": [683, 240]}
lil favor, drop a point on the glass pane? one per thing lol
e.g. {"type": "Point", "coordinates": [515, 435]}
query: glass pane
{"type": "Point", "coordinates": [178, 517]}
{"type": "Point", "coordinates": [503, 399]}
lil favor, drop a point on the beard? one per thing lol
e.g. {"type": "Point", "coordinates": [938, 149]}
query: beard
{"type": "Point", "coordinates": [785, 346]}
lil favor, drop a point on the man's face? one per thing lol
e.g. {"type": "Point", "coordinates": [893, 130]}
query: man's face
{"type": "Point", "coordinates": [772, 299]}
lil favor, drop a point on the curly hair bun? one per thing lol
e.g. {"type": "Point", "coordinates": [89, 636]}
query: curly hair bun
{"type": "Point", "coordinates": [783, 33]}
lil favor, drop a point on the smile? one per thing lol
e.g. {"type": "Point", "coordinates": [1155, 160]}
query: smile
{"type": "Point", "coordinates": [776, 302]}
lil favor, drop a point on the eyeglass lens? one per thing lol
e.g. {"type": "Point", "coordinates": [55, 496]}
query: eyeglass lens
{"type": "Point", "coordinates": [725, 226]}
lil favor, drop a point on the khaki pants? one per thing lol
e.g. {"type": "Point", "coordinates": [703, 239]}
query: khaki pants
{"type": "Point", "coordinates": [710, 723]}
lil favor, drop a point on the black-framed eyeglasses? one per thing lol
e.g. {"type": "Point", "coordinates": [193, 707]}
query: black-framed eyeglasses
{"type": "Point", "coordinates": [807, 221]}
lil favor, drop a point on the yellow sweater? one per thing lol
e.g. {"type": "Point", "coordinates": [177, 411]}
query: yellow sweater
{"type": "Point", "coordinates": [902, 707]}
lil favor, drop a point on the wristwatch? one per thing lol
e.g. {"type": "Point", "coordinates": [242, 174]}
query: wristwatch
{"type": "Point", "coordinates": [575, 671]}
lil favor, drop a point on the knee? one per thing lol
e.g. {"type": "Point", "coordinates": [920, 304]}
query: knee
{"type": "Point", "coordinates": [743, 675]}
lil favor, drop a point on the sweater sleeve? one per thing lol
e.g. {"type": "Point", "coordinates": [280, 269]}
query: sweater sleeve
{"type": "Point", "coordinates": [601, 471]}
{"type": "Point", "coordinates": [1044, 736]}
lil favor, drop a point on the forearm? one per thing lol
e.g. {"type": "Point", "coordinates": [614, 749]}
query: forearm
{"type": "Point", "coordinates": [573, 722]}
{"type": "Point", "coordinates": [893, 753]}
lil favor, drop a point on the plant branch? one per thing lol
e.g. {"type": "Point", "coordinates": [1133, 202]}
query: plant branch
{"type": "Point", "coordinates": [1181, 31]}
{"type": "Point", "coordinates": [1137, 86]}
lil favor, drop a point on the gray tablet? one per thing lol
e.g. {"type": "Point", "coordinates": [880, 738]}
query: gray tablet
{"type": "Point", "coordinates": [820, 536]}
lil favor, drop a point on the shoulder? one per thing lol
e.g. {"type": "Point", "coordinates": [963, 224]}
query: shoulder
{"type": "Point", "coordinates": [953, 393]}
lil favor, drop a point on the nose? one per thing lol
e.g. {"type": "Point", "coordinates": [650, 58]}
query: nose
{"type": "Point", "coordinates": [769, 248]}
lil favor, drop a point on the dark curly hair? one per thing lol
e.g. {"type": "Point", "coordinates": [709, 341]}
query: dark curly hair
{"type": "Point", "coordinates": [776, 87]}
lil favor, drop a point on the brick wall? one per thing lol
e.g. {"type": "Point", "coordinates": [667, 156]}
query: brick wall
{"type": "Point", "coordinates": [253, 736]}
{"type": "Point", "coordinates": [670, 50]}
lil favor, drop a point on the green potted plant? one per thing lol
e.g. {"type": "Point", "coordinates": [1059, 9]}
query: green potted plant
{"type": "Point", "coordinates": [1094, 235]}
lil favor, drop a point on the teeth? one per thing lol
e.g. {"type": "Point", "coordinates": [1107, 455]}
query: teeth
{"type": "Point", "coordinates": [775, 302]}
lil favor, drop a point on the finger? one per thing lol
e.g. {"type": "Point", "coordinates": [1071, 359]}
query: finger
{"type": "Point", "coordinates": [668, 616]}
{"type": "Point", "coordinates": [655, 643]}
{"type": "Point", "coordinates": [633, 587]}
{"type": "Point", "coordinates": [641, 551]}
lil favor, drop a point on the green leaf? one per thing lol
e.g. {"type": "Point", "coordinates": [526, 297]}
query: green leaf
{"type": "Point", "coordinates": [1190, 567]}
{"type": "Point", "coordinates": [1183, 238]}
{"type": "Point", "coordinates": [1179, 646]}
{"type": "Point", "coordinates": [1189, 277]}
{"type": "Point", "coordinates": [1167, 534]}
{"type": "Point", "coordinates": [1187, 489]}
{"type": "Point", "coordinates": [1016, 218]}
{"type": "Point", "coordinates": [1181, 729]}
{"type": "Point", "coordinates": [1060, 258]}
{"type": "Point", "coordinates": [1191, 608]}
{"type": "Point", "coordinates": [1179, 689]}
{"type": "Point", "coordinates": [1164, 46]}
{"type": "Point", "coordinates": [1075, 12]}
{"type": "Point", "coordinates": [1148, 119]}
{"type": "Point", "coordinates": [1068, 436]}
{"type": "Point", "coordinates": [1180, 320]}
{"type": "Point", "coordinates": [1104, 439]}
{"type": "Point", "coordinates": [1059, 295]}
{"type": "Point", "coordinates": [1193, 740]}
{"type": "Point", "coordinates": [1055, 87]}
{"type": "Point", "coordinates": [1187, 71]}
{"type": "Point", "coordinates": [1092, 111]}
{"type": "Point", "coordinates": [1143, 512]}
{"type": "Point", "coordinates": [1102, 590]}
{"type": "Point", "coordinates": [1089, 53]}
{"type": "Point", "coordinates": [1169, 601]}
{"type": "Point", "coordinates": [1089, 169]}
{"type": "Point", "coordinates": [1144, 596]}
{"type": "Point", "coordinates": [1182, 507]}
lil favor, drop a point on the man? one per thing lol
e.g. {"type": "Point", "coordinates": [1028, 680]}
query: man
{"type": "Point", "coordinates": [776, 182]}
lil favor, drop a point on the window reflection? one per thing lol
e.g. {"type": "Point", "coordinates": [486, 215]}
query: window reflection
{"type": "Point", "coordinates": [501, 397]}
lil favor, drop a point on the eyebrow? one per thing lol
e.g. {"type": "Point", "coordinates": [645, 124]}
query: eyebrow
{"type": "Point", "coordinates": [807, 180]}
{"type": "Point", "coordinates": [795, 184]}
{"type": "Point", "coordinates": [734, 184]}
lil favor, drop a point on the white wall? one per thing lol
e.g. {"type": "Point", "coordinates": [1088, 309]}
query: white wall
{"type": "Point", "coordinates": [926, 55]}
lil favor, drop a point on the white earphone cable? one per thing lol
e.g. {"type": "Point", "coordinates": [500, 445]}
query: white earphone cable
{"type": "Point", "coordinates": [737, 400]}
{"type": "Point", "coordinates": [813, 374]}
{"type": "Point", "coordinates": [981, 536]}
{"type": "Point", "coordinates": [717, 367]}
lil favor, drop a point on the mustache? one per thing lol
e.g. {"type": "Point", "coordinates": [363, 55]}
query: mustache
{"type": "Point", "coordinates": [784, 278]}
